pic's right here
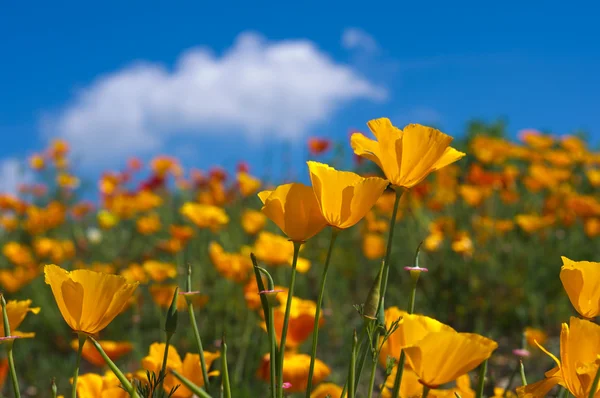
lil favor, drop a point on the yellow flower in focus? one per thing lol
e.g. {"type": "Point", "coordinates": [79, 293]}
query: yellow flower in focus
{"type": "Point", "coordinates": [276, 250]}
{"type": "Point", "coordinates": [88, 300]}
{"type": "Point", "coordinates": [90, 385]}
{"type": "Point", "coordinates": [325, 390]}
{"type": "Point", "coordinates": [149, 224]}
{"type": "Point", "coordinates": [247, 183]}
{"type": "Point", "coordinates": [113, 349]}
{"type": "Point", "coordinates": [411, 328]}
{"type": "Point", "coordinates": [533, 334]}
{"type": "Point", "coordinates": [295, 210]}
{"type": "Point", "coordinates": [106, 219]}
{"type": "Point", "coordinates": [233, 266]}
{"type": "Point", "coordinates": [162, 295]}
{"type": "Point", "coordinates": [344, 197]}
{"type": "Point", "coordinates": [407, 156]}
{"type": "Point", "coordinates": [17, 311]}
{"type": "Point", "coordinates": [441, 357]}
{"type": "Point", "coordinates": [159, 271]}
{"type": "Point", "coordinates": [581, 280]}
{"type": "Point", "coordinates": [410, 386]}
{"type": "Point", "coordinates": [253, 221]}
{"type": "Point", "coordinates": [373, 246]}
{"type": "Point", "coordinates": [205, 216]}
{"type": "Point", "coordinates": [188, 368]}
{"type": "Point", "coordinates": [295, 370]}
{"type": "Point", "coordinates": [578, 364]}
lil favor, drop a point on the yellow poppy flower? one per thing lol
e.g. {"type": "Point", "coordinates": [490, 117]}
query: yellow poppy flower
{"type": "Point", "coordinates": [295, 210]}
{"type": "Point", "coordinates": [295, 370]}
{"type": "Point", "coordinates": [113, 349]}
{"type": "Point", "coordinates": [107, 219]}
{"type": "Point", "coordinates": [149, 224]}
{"type": "Point", "coordinates": [233, 266]}
{"type": "Point", "coordinates": [441, 357]}
{"type": "Point", "coordinates": [17, 311]}
{"type": "Point", "coordinates": [407, 156]}
{"type": "Point", "coordinates": [13, 280]}
{"type": "Point", "coordinates": [411, 328]}
{"type": "Point", "coordinates": [159, 271]}
{"type": "Point", "coordinates": [325, 390]}
{"type": "Point", "coordinates": [253, 221]}
{"type": "Point", "coordinates": [276, 250]}
{"type": "Point", "coordinates": [578, 364]}
{"type": "Point", "coordinates": [205, 216]}
{"type": "Point", "coordinates": [533, 334]}
{"type": "Point", "coordinates": [344, 197]}
{"type": "Point", "coordinates": [581, 280]}
{"type": "Point", "coordinates": [247, 183]}
{"type": "Point", "coordinates": [88, 300]}
{"type": "Point", "coordinates": [373, 246]}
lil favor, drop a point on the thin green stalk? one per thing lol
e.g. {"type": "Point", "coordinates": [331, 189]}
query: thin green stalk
{"type": "Point", "coordinates": [595, 384]}
{"type": "Point", "coordinates": [186, 382]}
{"type": "Point", "coordinates": [126, 384]}
{"type": "Point", "coordinates": [364, 349]}
{"type": "Point", "coordinates": [163, 368]}
{"type": "Point", "coordinates": [425, 392]}
{"type": "Point", "coordinates": [53, 388]}
{"type": "Point", "coordinates": [523, 378]}
{"type": "Point", "coordinates": [82, 339]}
{"type": "Point", "coordinates": [372, 379]}
{"type": "Point", "coordinates": [315, 333]}
{"type": "Point", "coordinates": [196, 331]}
{"type": "Point", "coordinates": [9, 349]}
{"type": "Point", "coordinates": [481, 382]}
{"type": "Point", "coordinates": [352, 370]}
{"type": "Point", "coordinates": [241, 360]}
{"type": "Point", "coordinates": [400, 366]}
{"type": "Point", "coordinates": [286, 319]}
{"type": "Point", "coordinates": [224, 370]}
{"type": "Point", "coordinates": [388, 251]}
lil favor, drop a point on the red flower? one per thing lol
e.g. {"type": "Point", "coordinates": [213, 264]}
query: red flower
{"type": "Point", "coordinates": [317, 146]}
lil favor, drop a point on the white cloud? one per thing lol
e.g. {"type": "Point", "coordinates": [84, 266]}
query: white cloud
{"type": "Point", "coordinates": [12, 174]}
{"type": "Point", "coordinates": [358, 39]}
{"type": "Point", "coordinates": [258, 88]}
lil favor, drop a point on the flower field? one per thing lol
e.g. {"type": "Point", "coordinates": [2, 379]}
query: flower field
{"type": "Point", "coordinates": [407, 264]}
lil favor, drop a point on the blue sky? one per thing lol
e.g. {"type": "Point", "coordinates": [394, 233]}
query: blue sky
{"type": "Point", "coordinates": [216, 82]}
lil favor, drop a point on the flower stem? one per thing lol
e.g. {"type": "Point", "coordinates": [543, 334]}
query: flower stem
{"type": "Point", "coordinates": [373, 371]}
{"type": "Point", "coordinates": [595, 384]}
{"type": "Point", "coordinates": [191, 386]}
{"type": "Point", "coordinates": [481, 382]}
{"type": "Point", "coordinates": [400, 366]}
{"type": "Point", "coordinates": [352, 370]}
{"type": "Point", "coordinates": [82, 339]}
{"type": "Point", "coordinates": [425, 391]}
{"type": "Point", "coordinates": [286, 319]}
{"type": "Point", "coordinates": [163, 368]}
{"type": "Point", "coordinates": [225, 371]}
{"type": "Point", "coordinates": [126, 384]}
{"type": "Point", "coordinates": [523, 378]}
{"type": "Point", "coordinates": [315, 333]}
{"type": "Point", "coordinates": [388, 251]}
{"type": "Point", "coordinates": [196, 332]}
{"type": "Point", "coordinates": [510, 379]}
{"type": "Point", "coordinates": [9, 349]}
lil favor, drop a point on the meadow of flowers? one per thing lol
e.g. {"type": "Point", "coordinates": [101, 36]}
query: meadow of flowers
{"type": "Point", "coordinates": [434, 268]}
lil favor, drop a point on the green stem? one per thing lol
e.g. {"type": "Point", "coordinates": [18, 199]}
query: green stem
{"type": "Point", "coordinates": [481, 382]}
{"type": "Point", "coordinates": [198, 344]}
{"type": "Point", "coordinates": [523, 378]}
{"type": "Point", "coordinates": [315, 333]}
{"type": "Point", "coordinates": [425, 392]}
{"type": "Point", "coordinates": [82, 339]}
{"type": "Point", "coordinates": [352, 370]}
{"type": "Point", "coordinates": [372, 379]}
{"type": "Point", "coordinates": [240, 362]}
{"type": "Point", "coordinates": [388, 251]}
{"type": "Point", "coordinates": [511, 379]}
{"type": "Point", "coordinates": [163, 368]}
{"type": "Point", "coordinates": [9, 349]}
{"type": "Point", "coordinates": [400, 366]}
{"type": "Point", "coordinates": [286, 319]}
{"type": "Point", "coordinates": [595, 384]}
{"type": "Point", "coordinates": [126, 384]}
{"type": "Point", "coordinates": [225, 371]}
{"type": "Point", "coordinates": [186, 382]}
{"type": "Point", "coordinates": [364, 349]}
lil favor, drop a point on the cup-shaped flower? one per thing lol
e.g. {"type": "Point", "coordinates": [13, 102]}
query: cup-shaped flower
{"type": "Point", "coordinates": [16, 312]}
{"type": "Point", "coordinates": [581, 280]}
{"type": "Point", "coordinates": [578, 364]}
{"type": "Point", "coordinates": [411, 328]}
{"type": "Point", "coordinates": [344, 197]}
{"type": "Point", "coordinates": [295, 210]}
{"type": "Point", "coordinates": [406, 156]}
{"type": "Point", "coordinates": [441, 357]}
{"type": "Point", "coordinates": [88, 300]}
